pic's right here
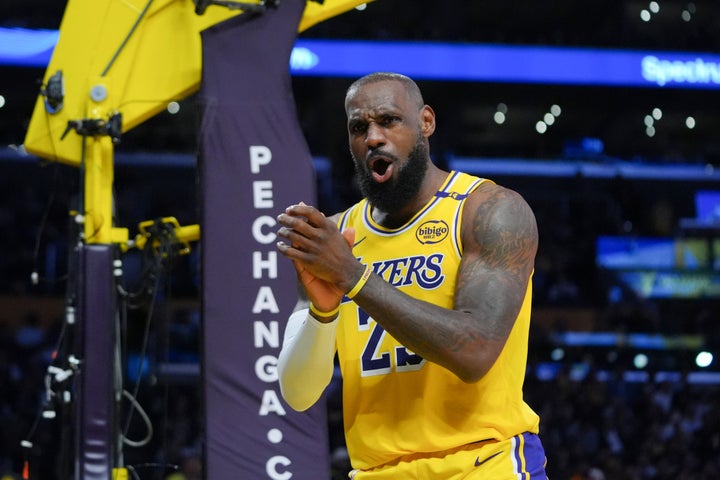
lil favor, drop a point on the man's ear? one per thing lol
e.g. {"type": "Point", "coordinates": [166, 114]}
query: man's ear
{"type": "Point", "coordinates": [427, 120]}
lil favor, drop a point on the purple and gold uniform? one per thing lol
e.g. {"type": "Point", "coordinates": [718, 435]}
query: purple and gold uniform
{"type": "Point", "coordinates": [399, 407]}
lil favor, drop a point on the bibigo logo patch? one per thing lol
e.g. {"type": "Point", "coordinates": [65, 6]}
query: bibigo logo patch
{"type": "Point", "coordinates": [433, 231]}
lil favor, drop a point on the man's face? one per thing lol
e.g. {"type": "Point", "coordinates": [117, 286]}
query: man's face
{"type": "Point", "coordinates": [387, 144]}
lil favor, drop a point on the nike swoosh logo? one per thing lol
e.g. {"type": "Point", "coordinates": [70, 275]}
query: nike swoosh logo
{"type": "Point", "coordinates": [478, 462]}
{"type": "Point", "coordinates": [359, 242]}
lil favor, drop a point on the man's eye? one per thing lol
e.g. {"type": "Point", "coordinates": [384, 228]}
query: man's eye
{"type": "Point", "coordinates": [357, 128]}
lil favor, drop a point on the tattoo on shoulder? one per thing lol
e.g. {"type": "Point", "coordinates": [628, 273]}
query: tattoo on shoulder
{"type": "Point", "coordinates": [503, 226]}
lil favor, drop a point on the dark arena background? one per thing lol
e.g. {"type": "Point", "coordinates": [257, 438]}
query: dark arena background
{"type": "Point", "coordinates": [602, 114]}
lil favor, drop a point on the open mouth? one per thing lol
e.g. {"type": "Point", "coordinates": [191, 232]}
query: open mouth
{"type": "Point", "coordinates": [381, 169]}
{"type": "Point", "coordinates": [380, 166]}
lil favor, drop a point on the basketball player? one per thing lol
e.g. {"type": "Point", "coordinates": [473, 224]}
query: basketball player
{"type": "Point", "coordinates": [423, 289]}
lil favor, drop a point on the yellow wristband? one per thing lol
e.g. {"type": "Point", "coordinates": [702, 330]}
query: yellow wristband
{"type": "Point", "coordinates": [322, 314]}
{"type": "Point", "coordinates": [360, 283]}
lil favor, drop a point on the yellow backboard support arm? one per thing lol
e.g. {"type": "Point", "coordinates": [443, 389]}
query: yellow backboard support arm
{"type": "Point", "coordinates": [117, 63]}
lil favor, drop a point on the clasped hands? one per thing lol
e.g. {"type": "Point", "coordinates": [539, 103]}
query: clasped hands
{"type": "Point", "coordinates": [321, 254]}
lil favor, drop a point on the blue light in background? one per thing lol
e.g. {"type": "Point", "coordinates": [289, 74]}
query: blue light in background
{"type": "Point", "coordinates": [27, 48]}
{"type": "Point", "coordinates": [451, 61]}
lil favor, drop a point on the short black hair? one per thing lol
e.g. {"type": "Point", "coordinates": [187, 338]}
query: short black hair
{"type": "Point", "coordinates": [411, 87]}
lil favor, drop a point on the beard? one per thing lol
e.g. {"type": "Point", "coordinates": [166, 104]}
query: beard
{"type": "Point", "coordinates": [394, 194]}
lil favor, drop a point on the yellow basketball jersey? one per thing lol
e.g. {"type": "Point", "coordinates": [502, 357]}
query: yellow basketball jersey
{"type": "Point", "coordinates": [396, 403]}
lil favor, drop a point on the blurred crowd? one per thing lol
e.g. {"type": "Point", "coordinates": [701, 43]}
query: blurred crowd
{"type": "Point", "coordinates": [33, 444]}
{"type": "Point", "coordinates": [594, 427]}
{"type": "Point", "coordinates": [620, 430]}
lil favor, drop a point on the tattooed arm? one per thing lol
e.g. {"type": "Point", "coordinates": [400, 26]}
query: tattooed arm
{"type": "Point", "coordinates": [499, 237]}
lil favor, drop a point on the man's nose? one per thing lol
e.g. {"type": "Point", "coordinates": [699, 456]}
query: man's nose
{"type": "Point", "coordinates": [375, 136]}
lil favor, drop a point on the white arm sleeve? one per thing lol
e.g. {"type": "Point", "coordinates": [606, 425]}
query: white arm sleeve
{"type": "Point", "coordinates": [305, 364]}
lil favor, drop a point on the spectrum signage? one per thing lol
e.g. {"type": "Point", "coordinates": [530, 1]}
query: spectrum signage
{"type": "Point", "coordinates": [666, 71]}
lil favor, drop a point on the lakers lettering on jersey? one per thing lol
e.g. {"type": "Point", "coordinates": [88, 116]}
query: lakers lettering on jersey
{"type": "Point", "coordinates": [395, 403]}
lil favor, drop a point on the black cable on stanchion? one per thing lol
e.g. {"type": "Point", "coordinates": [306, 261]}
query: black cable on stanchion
{"type": "Point", "coordinates": [158, 255]}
